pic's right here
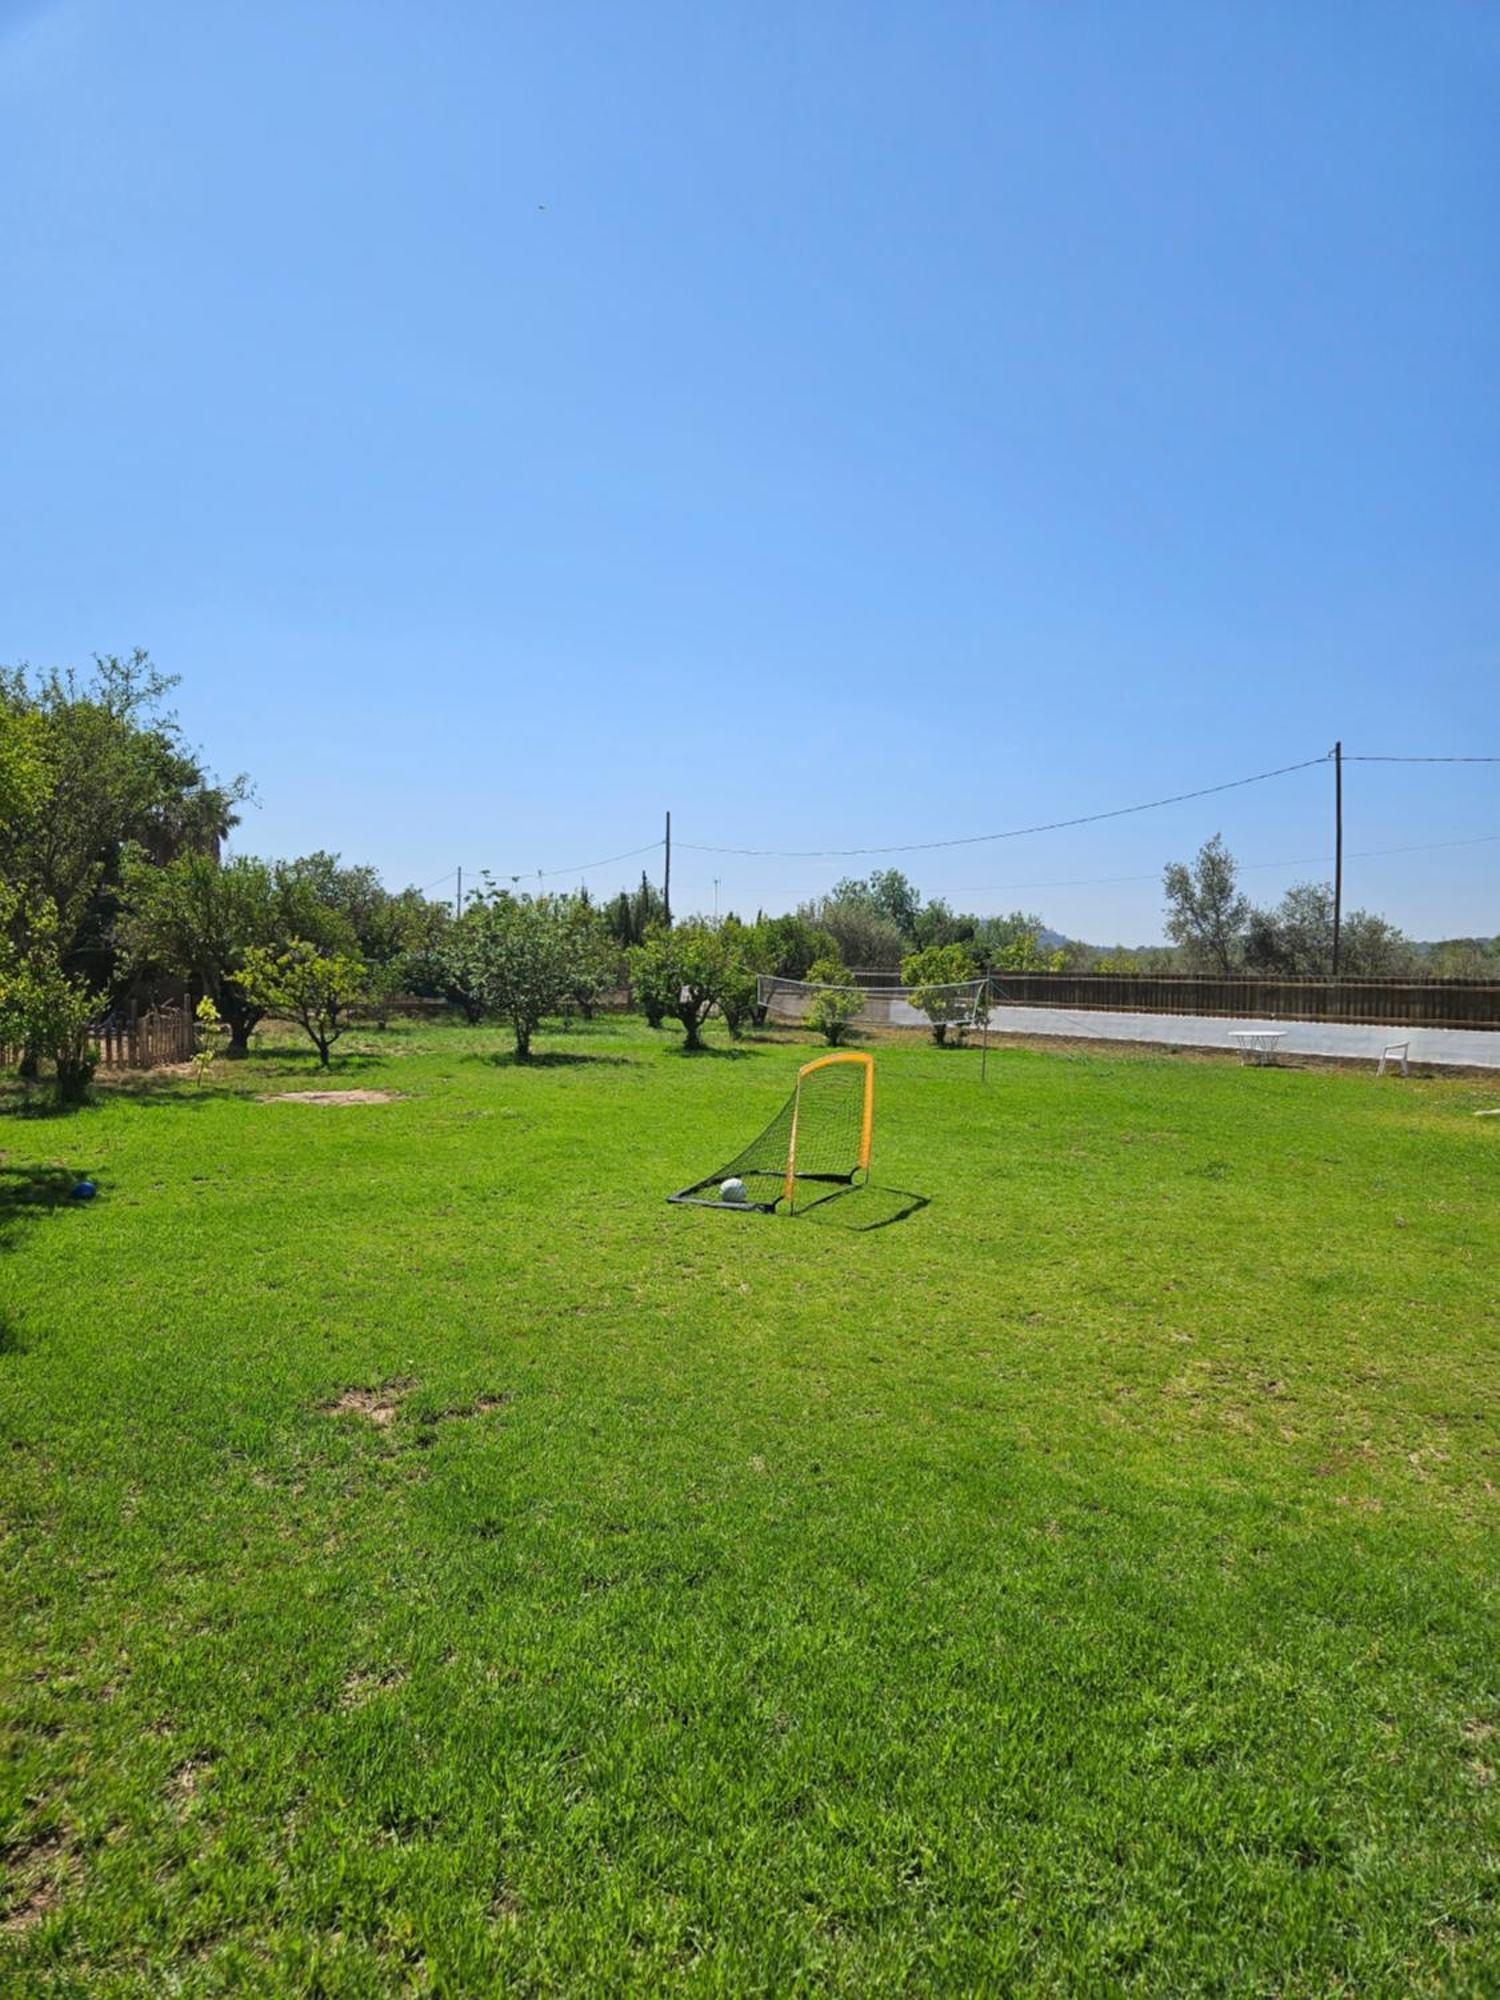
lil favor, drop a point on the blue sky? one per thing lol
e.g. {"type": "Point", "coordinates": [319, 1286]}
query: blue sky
{"type": "Point", "coordinates": [845, 425]}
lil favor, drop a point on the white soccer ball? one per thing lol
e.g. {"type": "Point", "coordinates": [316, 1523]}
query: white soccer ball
{"type": "Point", "coordinates": [734, 1193]}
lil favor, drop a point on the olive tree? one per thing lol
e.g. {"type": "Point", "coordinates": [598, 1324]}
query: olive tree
{"type": "Point", "coordinates": [1206, 913]}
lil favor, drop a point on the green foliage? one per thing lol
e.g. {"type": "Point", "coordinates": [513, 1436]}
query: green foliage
{"type": "Point", "coordinates": [212, 1030]}
{"type": "Point", "coordinates": [1295, 939]}
{"type": "Point", "coordinates": [834, 1010]}
{"type": "Point", "coordinates": [596, 957]}
{"type": "Point", "coordinates": [785, 946]}
{"type": "Point", "coordinates": [195, 918]}
{"type": "Point", "coordinates": [630, 917]}
{"type": "Point", "coordinates": [1014, 944]}
{"type": "Point", "coordinates": [104, 772]}
{"type": "Point", "coordinates": [684, 973]}
{"type": "Point", "coordinates": [302, 984]}
{"type": "Point", "coordinates": [862, 935]}
{"type": "Point", "coordinates": [50, 1017]}
{"type": "Point", "coordinates": [519, 957]}
{"type": "Point", "coordinates": [1206, 913]}
{"type": "Point", "coordinates": [928, 972]}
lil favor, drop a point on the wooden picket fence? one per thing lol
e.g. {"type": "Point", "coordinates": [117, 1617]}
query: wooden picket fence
{"type": "Point", "coordinates": [146, 1041]}
{"type": "Point", "coordinates": [1432, 1003]}
{"type": "Point", "coordinates": [136, 1040]}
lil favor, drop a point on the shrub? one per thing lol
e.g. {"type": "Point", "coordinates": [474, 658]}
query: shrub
{"type": "Point", "coordinates": [835, 1009]}
{"type": "Point", "coordinates": [928, 971]}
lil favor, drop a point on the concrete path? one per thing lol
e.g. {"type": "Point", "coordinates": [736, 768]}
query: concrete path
{"type": "Point", "coordinates": [1467, 1048]}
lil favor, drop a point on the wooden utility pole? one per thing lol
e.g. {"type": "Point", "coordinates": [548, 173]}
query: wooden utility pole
{"type": "Point", "coordinates": [666, 887]}
{"type": "Point", "coordinates": [1338, 850]}
{"type": "Point", "coordinates": [458, 900]}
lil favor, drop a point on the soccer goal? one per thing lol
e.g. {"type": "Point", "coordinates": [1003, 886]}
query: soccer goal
{"type": "Point", "coordinates": [817, 1144]}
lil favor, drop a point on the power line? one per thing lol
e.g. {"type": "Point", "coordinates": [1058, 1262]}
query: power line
{"type": "Point", "coordinates": [632, 854]}
{"type": "Point", "coordinates": [1296, 861]}
{"type": "Point", "coordinates": [1351, 758]}
{"type": "Point", "coordinates": [1012, 833]}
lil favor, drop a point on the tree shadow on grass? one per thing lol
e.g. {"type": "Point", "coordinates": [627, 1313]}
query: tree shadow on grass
{"type": "Point", "coordinates": [710, 1051]}
{"type": "Point", "coordinates": [863, 1208]}
{"type": "Point", "coordinates": [545, 1059]}
{"type": "Point", "coordinates": [26, 1195]}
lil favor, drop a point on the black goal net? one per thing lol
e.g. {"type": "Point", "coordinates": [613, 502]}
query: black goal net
{"type": "Point", "coordinates": [818, 1142]}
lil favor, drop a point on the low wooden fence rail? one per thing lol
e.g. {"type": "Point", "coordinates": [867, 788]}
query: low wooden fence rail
{"type": "Point", "coordinates": [1447, 1003]}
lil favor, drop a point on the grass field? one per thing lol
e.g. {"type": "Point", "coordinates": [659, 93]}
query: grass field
{"type": "Point", "coordinates": [1087, 1584]}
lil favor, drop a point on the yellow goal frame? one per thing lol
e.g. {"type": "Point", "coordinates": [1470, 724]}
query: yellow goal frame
{"type": "Point", "coordinates": [867, 1121]}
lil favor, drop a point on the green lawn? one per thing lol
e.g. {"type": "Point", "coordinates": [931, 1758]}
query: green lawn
{"type": "Point", "coordinates": [1087, 1584]}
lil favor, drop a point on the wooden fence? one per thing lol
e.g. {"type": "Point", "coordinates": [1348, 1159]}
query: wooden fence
{"type": "Point", "coordinates": [146, 1041]}
{"type": "Point", "coordinates": [1413, 1003]}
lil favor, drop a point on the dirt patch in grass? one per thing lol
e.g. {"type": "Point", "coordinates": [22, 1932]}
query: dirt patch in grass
{"type": "Point", "coordinates": [378, 1406]}
{"type": "Point", "coordinates": [331, 1097]}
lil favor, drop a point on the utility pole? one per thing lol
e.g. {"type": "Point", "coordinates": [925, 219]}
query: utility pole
{"type": "Point", "coordinates": [1338, 850]}
{"type": "Point", "coordinates": [458, 900]}
{"type": "Point", "coordinates": [666, 887]}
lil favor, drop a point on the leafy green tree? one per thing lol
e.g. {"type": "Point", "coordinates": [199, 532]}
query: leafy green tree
{"type": "Point", "coordinates": [1295, 939]}
{"type": "Point", "coordinates": [1014, 944]}
{"type": "Point", "coordinates": [863, 936]}
{"type": "Point", "coordinates": [887, 892]}
{"type": "Point", "coordinates": [928, 973]}
{"type": "Point", "coordinates": [524, 959]}
{"type": "Point", "coordinates": [305, 986]}
{"type": "Point", "coordinates": [460, 964]}
{"type": "Point", "coordinates": [50, 1016]}
{"type": "Point", "coordinates": [1206, 913]}
{"type": "Point", "coordinates": [632, 915]}
{"type": "Point", "coordinates": [596, 956]}
{"type": "Point", "coordinates": [684, 973]}
{"type": "Point", "coordinates": [114, 776]}
{"type": "Point", "coordinates": [195, 919]}
{"type": "Point", "coordinates": [834, 1010]}
{"type": "Point", "coordinates": [785, 946]}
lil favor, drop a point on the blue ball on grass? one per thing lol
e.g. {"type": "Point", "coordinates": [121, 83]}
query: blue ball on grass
{"type": "Point", "coordinates": [85, 1191]}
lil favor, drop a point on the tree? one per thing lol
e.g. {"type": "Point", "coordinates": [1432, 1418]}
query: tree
{"type": "Point", "coordinates": [887, 892]}
{"type": "Point", "coordinates": [1014, 944]}
{"type": "Point", "coordinates": [115, 775]}
{"type": "Point", "coordinates": [307, 986]}
{"type": "Point", "coordinates": [929, 972]}
{"type": "Point", "coordinates": [196, 919]}
{"type": "Point", "coordinates": [785, 946]}
{"type": "Point", "coordinates": [632, 916]}
{"type": "Point", "coordinates": [838, 1005]}
{"type": "Point", "coordinates": [522, 955]}
{"type": "Point", "coordinates": [50, 1015]}
{"type": "Point", "coordinates": [596, 956]}
{"type": "Point", "coordinates": [1295, 939]}
{"type": "Point", "coordinates": [862, 935]}
{"type": "Point", "coordinates": [684, 973]}
{"type": "Point", "coordinates": [1206, 914]}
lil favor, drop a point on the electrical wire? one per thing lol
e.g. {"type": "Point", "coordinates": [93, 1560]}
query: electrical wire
{"type": "Point", "coordinates": [1011, 833]}
{"type": "Point", "coordinates": [1350, 757]}
{"type": "Point", "coordinates": [1296, 861]}
{"type": "Point", "coordinates": [542, 874]}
